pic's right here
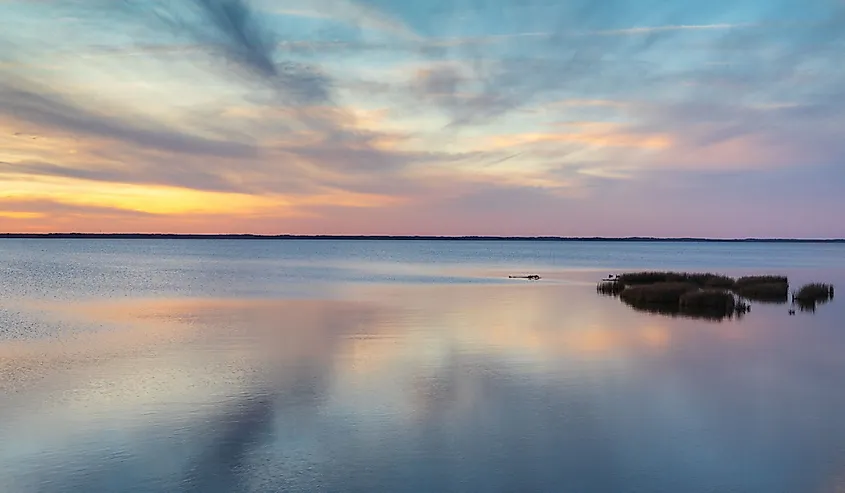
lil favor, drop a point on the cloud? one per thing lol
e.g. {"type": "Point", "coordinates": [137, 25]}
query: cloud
{"type": "Point", "coordinates": [323, 146]}
{"type": "Point", "coordinates": [480, 91]}
{"type": "Point", "coordinates": [670, 28]}
{"type": "Point", "coordinates": [141, 173]}
{"type": "Point", "coordinates": [475, 81]}
{"type": "Point", "coordinates": [346, 12]}
{"type": "Point", "coordinates": [26, 101]}
{"type": "Point", "coordinates": [235, 31]}
{"type": "Point", "coordinates": [34, 208]}
{"type": "Point", "coordinates": [545, 50]}
{"type": "Point", "coordinates": [602, 136]}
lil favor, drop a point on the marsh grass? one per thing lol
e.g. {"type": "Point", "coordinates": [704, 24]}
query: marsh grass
{"type": "Point", "coordinates": [746, 281]}
{"type": "Point", "coordinates": [640, 278]}
{"type": "Point", "coordinates": [610, 288]}
{"type": "Point", "coordinates": [764, 292]}
{"type": "Point", "coordinates": [708, 300]}
{"type": "Point", "coordinates": [697, 295]}
{"type": "Point", "coordinates": [814, 293]}
{"type": "Point", "coordinates": [697, 279]}
{"type": "Point", "coordinates": [660, 293]}
{"type": "Point", "coordinates": [718, 281]}
{"type": "Point", "coordinates": [707, 295]}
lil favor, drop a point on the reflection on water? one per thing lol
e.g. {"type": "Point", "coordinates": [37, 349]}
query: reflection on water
{"type": "Point", "coordinates": [514, 388]}
{"type": "Point", "coordinates": [675, 312]}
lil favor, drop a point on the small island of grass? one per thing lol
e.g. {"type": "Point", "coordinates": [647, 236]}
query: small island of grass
{"type": "Point", "coordinates": [813, 294]}
{"type": "Point", "coordinates": [684, 298]}
{"type": "Point", "coordinates": [706, 295]}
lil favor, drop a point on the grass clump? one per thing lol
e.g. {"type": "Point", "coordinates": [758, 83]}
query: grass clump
{"type": "Point", "coordinates": [716, 303]}
{"type": "Point", "coordinates": [660, 293]}
{"type": "Point", "coordinates": [708, 300]}
{"type": "Point", "coordinates": [765, 292]}
{"type": "Point", "coordinates": [746, 281]}
{"type": "Point", "coordinates": [767, 289]}
{"type": "Point", "coordinates": [640, 278]}
{"type": "Point", "coordinates": [719, 281]}
{"type": "Point", "coordinates": [814, 293]}
{"type": "Point", "coordinates": [701, 280]}
{"type": "Point", "coordinates": [706, 295]}
{"type": "Point", "coordinates": [610, 288]}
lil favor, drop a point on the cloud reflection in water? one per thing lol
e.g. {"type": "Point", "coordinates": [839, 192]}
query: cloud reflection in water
{"type": "Point", "coordinates": [460, 388]}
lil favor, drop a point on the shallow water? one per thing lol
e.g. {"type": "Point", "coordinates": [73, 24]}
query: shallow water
{"type": "Point", "coordinates": [146, 366]}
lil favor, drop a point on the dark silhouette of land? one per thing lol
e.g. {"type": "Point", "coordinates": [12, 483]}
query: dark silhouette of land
{"type": "Point", "coordinates": [165, 236]}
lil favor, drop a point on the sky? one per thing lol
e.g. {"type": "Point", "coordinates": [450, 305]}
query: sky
{"type": "Point", "coordinates": [718, 118]}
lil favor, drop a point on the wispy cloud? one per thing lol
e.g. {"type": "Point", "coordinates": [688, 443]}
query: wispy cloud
{"type": "Point", "coordinates": [670, 28]}
{"type": "Point", "coordinates": [546, 35]}
{"type": "Point", "coordinates": [344, 12]}
{"type": "Point", "coordinates": [28, 102]}
{"type": "Point", "coordinates": [237, 32]}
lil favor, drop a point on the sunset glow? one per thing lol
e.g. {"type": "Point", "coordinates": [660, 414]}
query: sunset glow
{"type": "Point", "coordinates": [500, 117]}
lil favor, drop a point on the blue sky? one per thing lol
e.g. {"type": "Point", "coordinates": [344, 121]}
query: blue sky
{"type": "Point", "coordinates": [506, 117]}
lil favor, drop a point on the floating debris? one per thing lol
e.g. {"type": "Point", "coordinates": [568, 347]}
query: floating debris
{"type": "Point", "coordinates": [532, 277]}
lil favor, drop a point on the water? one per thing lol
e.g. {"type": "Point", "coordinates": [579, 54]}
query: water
{"type": "Point", "coordinates": [308, 366]}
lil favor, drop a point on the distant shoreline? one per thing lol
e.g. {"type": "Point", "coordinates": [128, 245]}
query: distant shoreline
{"type": "Point", "coordinates": [165, 236]}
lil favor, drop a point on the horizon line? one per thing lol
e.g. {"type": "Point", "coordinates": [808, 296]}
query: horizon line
{"type": "Point", "coordinates": [251, 236]}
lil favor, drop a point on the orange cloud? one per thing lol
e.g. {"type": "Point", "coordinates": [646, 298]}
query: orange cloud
{"type": "Point", "coordinates": [744, 152]}
{"type": "Point", "coordinates": [20, 215]}
{"type": "Point", "coordinates": [592, 138]}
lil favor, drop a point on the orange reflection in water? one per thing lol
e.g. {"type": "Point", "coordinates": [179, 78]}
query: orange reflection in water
{"type": "Point", "coordinates": [547, 321]}
{"type": "Point", "coordinates": [115, 331]}
{"type": "Point", "coordinates": [388, 327]}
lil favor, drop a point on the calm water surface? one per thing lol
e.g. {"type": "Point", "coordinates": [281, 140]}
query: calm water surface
{"type": "Point", "coordinates": [332, 366]}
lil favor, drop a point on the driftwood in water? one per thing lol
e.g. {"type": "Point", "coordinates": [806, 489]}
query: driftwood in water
{"type": "Point", "coordinates": [532, 277]}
